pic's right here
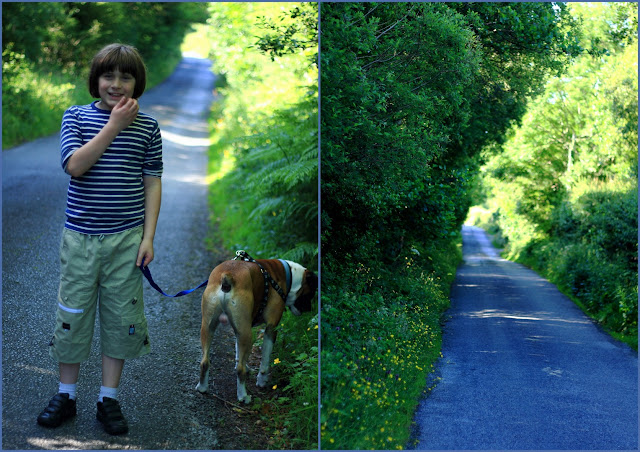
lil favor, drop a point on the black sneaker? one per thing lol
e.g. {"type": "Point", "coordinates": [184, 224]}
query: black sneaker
{"type": "Point", "coordinates": [110, 415]}
{"type": "Point", "coordinates": [60, 408]}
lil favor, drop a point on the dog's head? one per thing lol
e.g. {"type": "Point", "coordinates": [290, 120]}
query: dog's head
{"type": "Point", "coordinates": [304, 284]}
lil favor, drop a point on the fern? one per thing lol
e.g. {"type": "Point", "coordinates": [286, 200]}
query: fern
{"type": "Point", "coordinates": [303, 252]}
{"type": "Point", "coordinates": [288, 210]}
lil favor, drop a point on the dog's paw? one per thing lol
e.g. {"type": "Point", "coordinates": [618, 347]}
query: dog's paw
{"type": "Point", "coordinates": [202, 387]}
{"type": "Point", "coordinates": [263, 378]}
{"type": "Point", "coordinates": [242, 393]}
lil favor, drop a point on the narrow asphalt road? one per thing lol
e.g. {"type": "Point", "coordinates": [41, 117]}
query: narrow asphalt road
{"type": "Point", "coordinates": [524, 368]}
{"type": "Point", "coordinates": [157, 391]}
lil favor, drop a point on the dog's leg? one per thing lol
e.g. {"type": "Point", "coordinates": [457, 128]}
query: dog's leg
{"type": "Point", "coordinates": [205, 340]}
{"type": "Point", "coordinates": [237, 354]}
{"type": "Point", "coordinates": [243, 338]}
{"type": "Point", "coordinates": [267, 348]}
{"type": "Point", "coordinates": [210, 320]}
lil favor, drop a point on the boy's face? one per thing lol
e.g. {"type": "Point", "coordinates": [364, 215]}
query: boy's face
{"type": "Point", "coordinates": [112, 86]}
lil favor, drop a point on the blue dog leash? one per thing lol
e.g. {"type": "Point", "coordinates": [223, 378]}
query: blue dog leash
{"type": "Point", "coordinates": [147, 274]}
{"type": "Point", "coordinates": [239, 255]}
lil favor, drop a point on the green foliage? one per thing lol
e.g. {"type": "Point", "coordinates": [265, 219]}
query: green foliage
{"type": "Point", "coordinates": [389, 108]}
{"type": "Point", "coordinates": [267, 124]}
{"type": "Point", "coordinates": [264, 178]}
{"type": "Point", "coordinates": [522, 42]}
{"type": "Point", "coordinates": [47, 49]}
{"type": "Point", "coordinates": [294, 31]}
{"type": "Point", "coordinates": [295, 368]}
{"type": "Point", "coordinates": [33, 101]}
{"type": "Point", "coordinates": [563, 189]}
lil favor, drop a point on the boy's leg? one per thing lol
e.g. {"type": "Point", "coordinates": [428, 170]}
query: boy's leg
{"type": "Point", "coordinates": [75, 316]}
{"type": "Point", "coordinates": [69, 373]}
{"type": "Point", "coordinates": [111, 371]}
{"type": "Point", "coordinates": [69, 379]}
{"type": "Point", "coordinates": [123, 326]}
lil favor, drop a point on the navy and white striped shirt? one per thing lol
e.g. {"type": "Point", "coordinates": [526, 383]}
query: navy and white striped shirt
{"type": "Point", "coordinates": [109, 197]}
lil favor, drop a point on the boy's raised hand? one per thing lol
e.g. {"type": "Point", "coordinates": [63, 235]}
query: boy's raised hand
{"type": "Point", "coordinates": [125, 112]}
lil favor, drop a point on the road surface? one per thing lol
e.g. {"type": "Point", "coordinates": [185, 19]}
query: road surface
{"type": "Point", "coordinates": [524, 368]}
{"type": "Point", "coordinates": [157, 391]}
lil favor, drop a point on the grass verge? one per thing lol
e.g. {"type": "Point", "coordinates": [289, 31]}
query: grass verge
{"type": "Point", "coordinates": [381, 336]}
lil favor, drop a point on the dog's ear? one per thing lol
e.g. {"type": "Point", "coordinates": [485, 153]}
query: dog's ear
{"type": "Point", "coordinates": [303, 302]}
{"type": "Point", "coordinates": [312, 279]}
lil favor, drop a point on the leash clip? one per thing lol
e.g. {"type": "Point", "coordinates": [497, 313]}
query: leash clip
{"type": "Point", "coordinates": [243, 255]}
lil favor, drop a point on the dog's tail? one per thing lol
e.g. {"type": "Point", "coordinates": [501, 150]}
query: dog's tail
{"type": "Point", "coordinates": [226, 282]}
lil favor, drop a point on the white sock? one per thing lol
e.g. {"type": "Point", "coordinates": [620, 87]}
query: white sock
{"type": "Point", "coordinates": [68, 389]}
{"type": "Point", "coordinates": [107, 392]}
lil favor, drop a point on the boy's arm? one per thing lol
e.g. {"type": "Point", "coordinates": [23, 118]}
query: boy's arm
{"type": "Point", "coordinates": [152, 198]}
{"type": "Point", "coordinates": [86, 156]}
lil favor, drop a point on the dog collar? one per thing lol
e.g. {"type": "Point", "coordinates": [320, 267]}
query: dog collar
{"type": "Point", "coordinates": [287, 270]}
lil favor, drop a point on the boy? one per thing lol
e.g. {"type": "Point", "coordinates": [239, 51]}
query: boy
{"type": "Point", "coordinates": [113, 154]}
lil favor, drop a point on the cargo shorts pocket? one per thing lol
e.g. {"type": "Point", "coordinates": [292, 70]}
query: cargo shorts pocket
{"type": "Point", "coordinates": [72, 336]}
{"type": "Point", "coordinates": [129, 340]}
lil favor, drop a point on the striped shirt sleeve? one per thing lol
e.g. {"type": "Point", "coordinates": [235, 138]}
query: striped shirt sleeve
{"type": "Point", "coordinates": [70, 135]}
{"type": "Point", "coordinates": [153, 158]}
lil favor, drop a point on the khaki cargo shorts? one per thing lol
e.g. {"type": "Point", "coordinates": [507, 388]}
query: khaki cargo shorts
{"type": "Point", "coordinates": [100, 271]}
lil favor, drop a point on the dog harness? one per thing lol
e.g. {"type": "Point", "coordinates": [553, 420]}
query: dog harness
{"type": "Point", "coordinates": [243, 255]}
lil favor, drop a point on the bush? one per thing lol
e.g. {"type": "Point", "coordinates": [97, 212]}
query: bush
{"type": "Point", "coordinates": [33, 102]}
{"type": "Point", "coordinates": [591, 252]}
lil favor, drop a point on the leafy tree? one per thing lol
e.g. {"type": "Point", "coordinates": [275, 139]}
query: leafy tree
{"type": "Point", "coordinates": [390, 107]}
{"type": "Point", "coordinates": [564, 188]}
{"type": "Point", "coordinates": [522, 43]}
{"type": "Point", "coordinates": [294, 31]}
{"type": "Point", "coordinates": [270, 118]}
{"type": "Point", "coordinates": [26, 26]}
{"type": "Point", "coordinates": [411, 93]}
{"type": "Point", "coordinates": [583, 126]}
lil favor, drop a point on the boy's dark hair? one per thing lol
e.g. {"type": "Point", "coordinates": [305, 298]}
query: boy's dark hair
{"type": "Point", "coordinates": [123, 57]}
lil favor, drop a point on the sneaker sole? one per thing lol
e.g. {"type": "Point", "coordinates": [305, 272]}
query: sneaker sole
{"type": "Point", "coordinates": [110, 430]}
{"type": "Point", "coordinates": [50, 424]}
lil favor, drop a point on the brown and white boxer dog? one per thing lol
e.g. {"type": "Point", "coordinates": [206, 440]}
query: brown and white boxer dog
{"type": "Point", "coordinates": [235, 293]}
